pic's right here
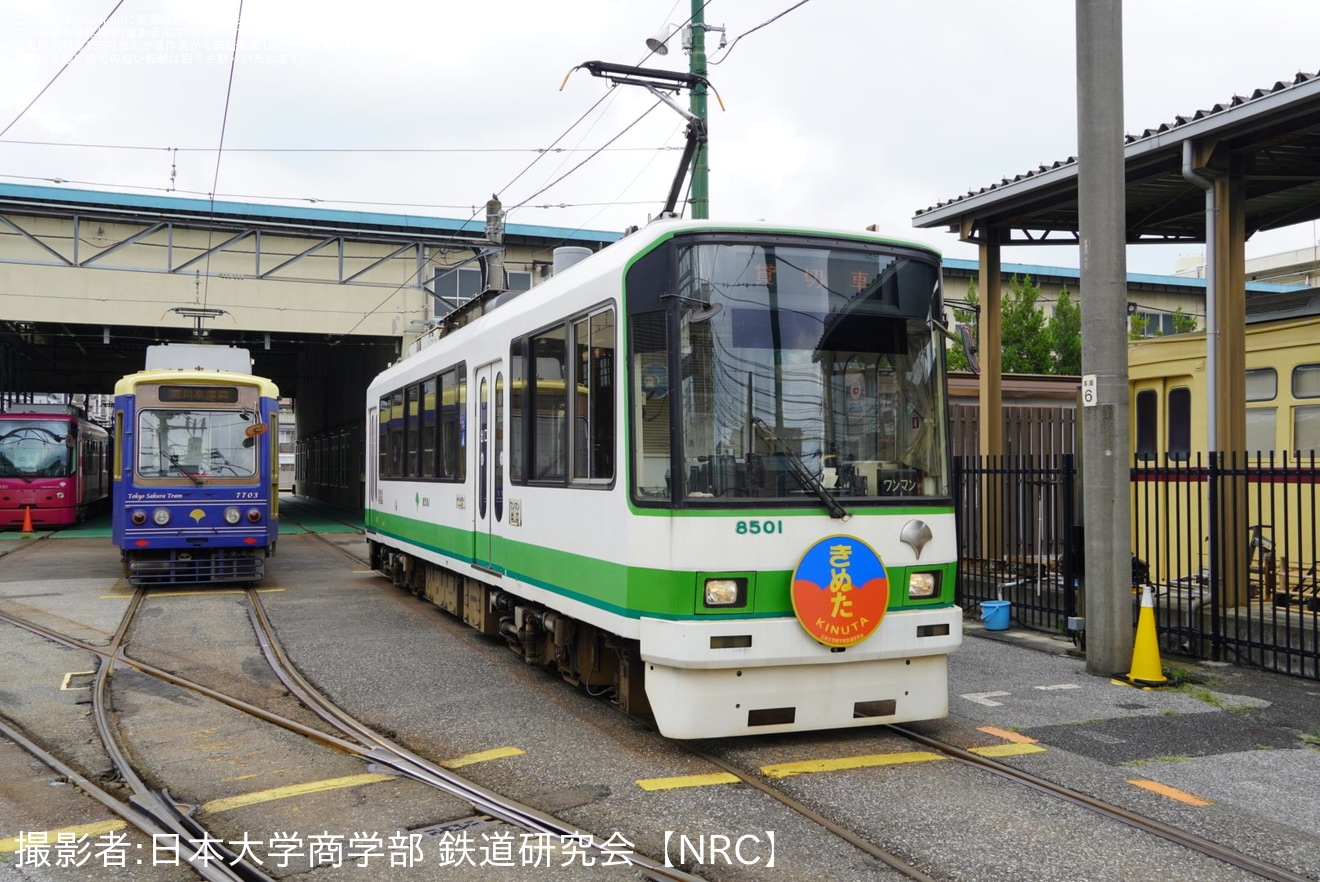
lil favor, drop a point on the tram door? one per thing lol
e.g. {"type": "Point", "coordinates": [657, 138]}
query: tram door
{"type": "Point", "coordinates": [490, 465]}
{"type": "Point", "coordinates": [373, 464]}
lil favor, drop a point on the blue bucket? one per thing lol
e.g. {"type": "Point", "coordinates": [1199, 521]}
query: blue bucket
{"type": "Point", "coordinates": [995, 614]}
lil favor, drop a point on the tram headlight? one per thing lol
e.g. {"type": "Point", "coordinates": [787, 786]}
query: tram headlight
{"type": "Point", "coordinates": [232, 515]}
{"type": "Point", "coordinates": [160, 517]}
{"type": "Point", "coordinates": [723, 591]}
{"type": "Point", "coordinates": [923, 585]}
{"type": "Point", "coordinates": [138, 517]}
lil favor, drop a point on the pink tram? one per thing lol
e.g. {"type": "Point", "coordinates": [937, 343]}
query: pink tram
{"type": "Point", "coordinates": [54, 466]}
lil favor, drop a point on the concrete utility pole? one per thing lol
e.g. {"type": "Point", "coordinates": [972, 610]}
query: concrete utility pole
{"type": "Point", "coordinates": [697, 104]}
{"type": "Point", "coordinates": [1105, 444]}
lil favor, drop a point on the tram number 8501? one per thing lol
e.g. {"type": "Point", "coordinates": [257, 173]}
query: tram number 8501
{"type": "Point", "coordinates": [755, 528]}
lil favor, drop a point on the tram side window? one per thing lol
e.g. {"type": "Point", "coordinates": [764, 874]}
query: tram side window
{"type": "Point", "coordinates": [1262, 384]}
{"type": "Point", "coordinates": [453, 424]}
{"type": "Point", "coordinates": [550, 397]}
{"type": "Point", "coordinates": [1261, 422]}
{"type": "Point", "coordinates": [517, 391]}
{"type": "Point", "coordinates": [391, 436]}
{"type": "Point", "coordinates": [1306, 418]}
{"type": "Point", "coordinates": [414, 430]}
{"type": "Point", "coordinates": [593, 401]}
{"type": "Point", "coordinates": [1306, 381]}
{"type": "Point", "coordinates": [1147, 408]}
{"type": "Point", "coordinates": [650, 396]}
{"type": "Point", "coordinates": [428, 427]}
{"type": "Point", "coordinates": [1180, 424]}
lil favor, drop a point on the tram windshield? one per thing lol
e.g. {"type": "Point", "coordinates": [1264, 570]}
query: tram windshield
{"type": "Point", "coordinates": [195, 444]}
{"type": "Point", "coordinates": [35, 449]}
{"type": "Point", "coordinates": [803, 372]}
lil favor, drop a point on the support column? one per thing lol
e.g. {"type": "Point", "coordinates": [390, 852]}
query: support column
{"type": "Point", "coordinates": [990, 284]}
{"type": "Point", "coordinates": [1230, 430]}
{"type": "Point", "coordinates": [1106, 482]}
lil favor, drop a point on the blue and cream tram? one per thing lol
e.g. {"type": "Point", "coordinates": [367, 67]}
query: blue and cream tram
{"type": "Point", "coordinates": [196, 496]}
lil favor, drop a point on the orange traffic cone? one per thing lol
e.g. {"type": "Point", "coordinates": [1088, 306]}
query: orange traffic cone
{"type": "Point", "coordinates": [27, 519]}
{"type": "Point", "coordinates": [1146, 668]}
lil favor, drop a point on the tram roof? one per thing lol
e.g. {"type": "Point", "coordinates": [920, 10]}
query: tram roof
{"type": "Point", "coordinates": [1274, 132]}
{"type": "Point", "coordinates": [129, 384]}
{"type": "Point", "coordinates": [64, 199]}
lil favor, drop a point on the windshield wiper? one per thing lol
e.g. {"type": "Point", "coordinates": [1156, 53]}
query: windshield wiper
{"type": "Point", "coordinates": [174, 461]}
{"type": "Point", "coordinates": [804, 475]}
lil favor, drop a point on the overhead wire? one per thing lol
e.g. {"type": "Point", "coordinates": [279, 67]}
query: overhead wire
{"type": "Point", "coordinates": [541, 152]}
{"type": "Point", "coordinates": [757, 28]}
{"type": "Point", "coordinates": [593, 107]}
{"type": "Point", "coordinates": [594, 154]}
{"type": "Point", "coordinates": [59, 72]}
{"type": "Point", "coordinates": [220, 148]}
{"type": "Point", "coordinates": [524, 203]}
{"type": "Point", "coordinates": [422, 150]}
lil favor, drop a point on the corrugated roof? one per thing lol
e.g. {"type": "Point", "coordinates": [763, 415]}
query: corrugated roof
{"type": "Point", "coordinates": [1039, 271]}
{"type": "Point", "coordinates": [1274, 132]}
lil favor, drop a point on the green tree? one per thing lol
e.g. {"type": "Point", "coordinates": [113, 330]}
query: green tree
{"type": "Point", "coordinates": [1182, 322]}
{"type": "Point", "coordinates": [1065, 331]}
{"type": "Point", "coordinates": [1026, 344]}
{"type": "Point", "coordinates": [1137, 326]}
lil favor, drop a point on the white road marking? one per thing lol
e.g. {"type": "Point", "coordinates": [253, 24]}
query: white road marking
{"type": "Point", "coordinates": [984, 698]}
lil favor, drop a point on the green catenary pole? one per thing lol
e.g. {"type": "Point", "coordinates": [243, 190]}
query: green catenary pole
{"type": "Point", "coordinates": [697, 104]}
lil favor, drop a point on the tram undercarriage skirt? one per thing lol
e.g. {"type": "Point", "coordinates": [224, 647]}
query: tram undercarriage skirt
{"type": "Point", "coordinates": [182, 566]}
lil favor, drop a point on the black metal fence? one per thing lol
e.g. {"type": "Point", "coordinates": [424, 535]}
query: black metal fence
{"type": "Point", "coordinates": [1016, 537]}
{"type": "Point", "coordinates": [1227, 546]}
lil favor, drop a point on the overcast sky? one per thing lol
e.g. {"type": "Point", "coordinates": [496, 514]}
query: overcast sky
{"type": "Point", "coordinates": [839, 113]}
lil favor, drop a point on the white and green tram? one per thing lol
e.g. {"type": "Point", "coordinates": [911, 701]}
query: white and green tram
{"type": "Point", "coordinates": [704, 471]}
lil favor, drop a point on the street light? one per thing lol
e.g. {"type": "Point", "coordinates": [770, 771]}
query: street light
{"type": "Point", "coordinates": [658, 43]}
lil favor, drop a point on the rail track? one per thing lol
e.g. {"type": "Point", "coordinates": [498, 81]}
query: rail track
{"type": "Point", "coordinates": [1150, 826]}
{"type": "Point", "coordinates": [156, 814]}
{"type": "Point", "coordinates": [909, 870]}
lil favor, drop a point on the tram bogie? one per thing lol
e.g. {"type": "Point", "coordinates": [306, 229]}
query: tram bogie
{"type": "Point", "coordinates": [705, 471]}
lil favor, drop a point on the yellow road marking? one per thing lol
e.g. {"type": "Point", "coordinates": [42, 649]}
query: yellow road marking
{"type": "Point", "coordinates": [1007, 735]}
{"type": "Point", "coordinates": [1170, 792]}
{"type": "Point", "coordinates": [481, 757]}
{"type": "Point", "coordinates": [785, 770]}
{"type": "Point", "coordinates": [681, 781]}
{"type": "Point", "coordinates": [245, 799]}
{"type": "Point", "coordinates": [52, 836]}
{"type": "Point", "coordinates": [65, 687]}
{"type": "Point", "coordinates": [1002, 750]}
{"type": "Point", "coordinates": [192, 593]}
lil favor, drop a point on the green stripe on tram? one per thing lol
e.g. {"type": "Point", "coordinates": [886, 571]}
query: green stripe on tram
{"type": "Point", "coordinates": [631, 592]}
{"type": "Point", "coordinates": [616, 588]}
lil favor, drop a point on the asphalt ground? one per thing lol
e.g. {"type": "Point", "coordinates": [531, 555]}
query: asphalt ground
{"type": "Point", "coordinates": [1230, 753]}
{"type": "Point", "coordinates": [1241, 746]}
{"type": "Point", "coordinates": [1233, 754]}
